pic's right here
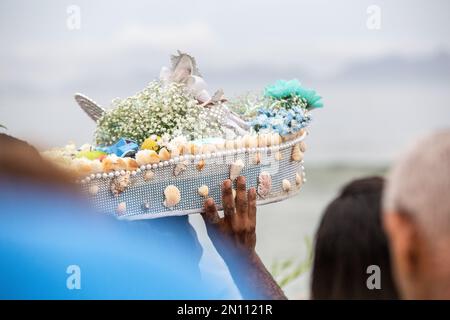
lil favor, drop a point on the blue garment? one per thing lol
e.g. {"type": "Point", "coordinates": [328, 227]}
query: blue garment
{"type": "Point", "coordinates": [47, 234]}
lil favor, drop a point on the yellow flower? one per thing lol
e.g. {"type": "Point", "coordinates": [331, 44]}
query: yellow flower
{"type": "Point", "coordinates": [151, 143]}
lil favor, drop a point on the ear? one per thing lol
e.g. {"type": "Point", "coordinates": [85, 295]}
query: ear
{"type": "Point", "coordinates": [404, 245]}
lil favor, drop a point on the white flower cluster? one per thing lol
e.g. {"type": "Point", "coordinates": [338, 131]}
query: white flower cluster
{"type": "Point", "coordinates": [158, 109]}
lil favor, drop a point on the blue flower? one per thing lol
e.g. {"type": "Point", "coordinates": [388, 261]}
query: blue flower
{"type": "Point", "coordinates": [284, 121]}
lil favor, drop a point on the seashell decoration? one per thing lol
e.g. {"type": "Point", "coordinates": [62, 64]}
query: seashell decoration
{"type": "Point", "coordinates": [297, 154]}
{"type": "Point", "coordinates": [149, 175]}
{"type": "Point", "coordinates": [229, 145]}
{"type": "Point", "coordinates": [119, 184]}
{"type": "Point", "coordinates": [153, 157]}
{"type": "Point", "coordinates": [121, 208]}
{"type": "Point", "coordinates": [193, 148]}
{"type": "Point", "coordinates": [264, 184]}
{"type": "Point", "coordinates": [93, 190]}
{"type": "Point", "coordinates": [302, 146]}
{"type": "Point", "coordinates": [203, 191]}
{"type": "Point", "coordinates": [201, 165]}
{"type": "Point", "coordinates": [238, 142]}
{"type": "Point", "coordinates": [132, 164]}
{"type": "Point", "coordinates": [262, 140]}
{"type": "Point", "coordinates": [96, 166]}
{"type": "Point", "coordinates": [143, 157]}
{"type": "Point", "coordinates": [253, 141]}
{"type": "Point", "coordinates": [114, 163]}
{"type": "Point", "coordinates": [286, 184]}
{"type": "Point", "coordinates": [180, 168]}
{"type": "Point", "coordinates": [164, 155]}
{"type": "Point", "coordinates": [278, 156]}
{"type": "Point", "coordinates": [298, 179]}
{"type": "Point", "coordinates": [257, 158]}
{"type": "Point", "coordinates": [172, 196]}
{"type": "Point", "coordinates": [109, 163]}
{"type": "Point", "coordinates": [236, 168]}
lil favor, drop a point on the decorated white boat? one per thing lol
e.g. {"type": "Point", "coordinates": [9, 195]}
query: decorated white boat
{"type": "Point", "coordinates": [165, 150]}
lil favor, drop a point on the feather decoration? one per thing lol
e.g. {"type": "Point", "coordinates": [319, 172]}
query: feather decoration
{"type": "Point", "coordinates": [93, 110]}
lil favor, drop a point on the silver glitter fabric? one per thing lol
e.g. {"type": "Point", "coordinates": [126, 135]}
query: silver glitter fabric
{"type": "Point", "coordinates": [144, 199]}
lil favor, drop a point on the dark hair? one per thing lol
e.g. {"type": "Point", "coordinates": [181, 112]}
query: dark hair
{"type": "Point", "coordinates": [349, 239]}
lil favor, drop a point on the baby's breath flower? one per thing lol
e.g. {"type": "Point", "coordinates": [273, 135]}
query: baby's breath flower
{"type": "Point", "coordinates": [161, 110]}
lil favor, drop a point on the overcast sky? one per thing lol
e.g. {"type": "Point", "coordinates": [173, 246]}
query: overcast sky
{"type": "Point", "coordinates": [239, 45]}
{"type": "Point", "coordinates": [121, 36]}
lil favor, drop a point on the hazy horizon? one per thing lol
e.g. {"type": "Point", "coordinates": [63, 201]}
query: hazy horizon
{"type": "Point", "coordinates": [381, 87]}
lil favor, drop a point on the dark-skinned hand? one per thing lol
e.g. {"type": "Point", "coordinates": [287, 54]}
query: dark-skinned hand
{"type": "Point", "coordinates": [236, 229]}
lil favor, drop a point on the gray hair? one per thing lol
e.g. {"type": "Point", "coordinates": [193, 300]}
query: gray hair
{"type": "Point", "coordinates": [419, 183]}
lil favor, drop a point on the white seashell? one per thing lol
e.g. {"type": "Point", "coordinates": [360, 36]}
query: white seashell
{"type": "Point", "coordinates": [201, 165]}
{"type": "Point", "coordinates": [121, 208]}
{"type": "Point", "coordinates": [246, 141]}
{"type": "Point", "coordinates": [96, 166]}
{"type": "Point", "coordinates": [154, 158]}
{"type": "Point", "coordinates": [257, 158]}
{"type": "Point", "coordinates": [120, 183]}
{"type": "Point", "coordinates": [302, 146]}
{"type": "Point", "coordinates": [183, 148]}
{"type": "Point", "coordinates": [93, 190]}
{"type": "Point", "coordinates": [253, 141]}
{"type": "Point", "coordinates": [211, 148]}
{"type": "Point", "coordinates": [203, 191]}
{"type": "Point", "coordinates": [229, 145]}
{"type": "Point", "coordinates": [149, 175]}
{"type": "Point", "coordinates": [172, 196]}
{"type": "Point", "coordinates": [238, 143]}
{"type": "Point", "coordinates": [277, 138]}
{"type": "Point", "coordinates": [235, 169]}
{"type": "Point", "coordinates": [220, 145]}
{"type": "Point", "coordinates": [143, 157]}
{"type": "Point", "coordinates": [264, 184]}
{"type": "Point", "coordinates": [298, 179]}
{"type": "Point", "coordinates": [164, 154]}
{"type": "Point", "coordinates": [262, 140]}
{"type": "Point", "coordinates": [82, 166]}
{"type": "Point", "coordinates": [286, 184]}
{"type": "Point", "coordinates": [194, 148]}
{"type": "Point", "coordinates": [132, 164]}
{"type": "Point", "coordinates": [278, 156]}
{"type": "Point", "coordinates": [180, 168]}
{"type": "Point", "coordinates": [175, 152]}
{"type": "Point", "coordinates": [297, 154]}
{"type": "Point", "coordinates": [274, 139]}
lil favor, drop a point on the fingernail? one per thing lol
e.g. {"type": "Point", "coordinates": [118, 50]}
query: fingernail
{"type": "Point", "coordinates": [227, 183]}
{"type": "Point", "coordinates": [209, 202]}
{"type": "Point", "coordinates": [241, 179]}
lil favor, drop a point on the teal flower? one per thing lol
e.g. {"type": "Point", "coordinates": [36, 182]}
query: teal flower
{"type": "Point", "coordinates": [283, 89]}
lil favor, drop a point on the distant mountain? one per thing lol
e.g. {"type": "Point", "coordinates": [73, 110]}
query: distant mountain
{"type": "Point", "coordinates": [397, 68]}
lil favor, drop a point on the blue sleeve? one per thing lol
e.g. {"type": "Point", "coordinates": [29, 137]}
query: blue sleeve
{"type": "Point", "coordinates": [52, 246]}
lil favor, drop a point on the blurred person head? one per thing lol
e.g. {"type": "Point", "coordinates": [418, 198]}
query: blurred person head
{"type": "Point", "coordinates": [21, 161]}
{"type": "Point", "coordinates": [416, 206]}
{"type": "Point", "coordinates": [350, 238]}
